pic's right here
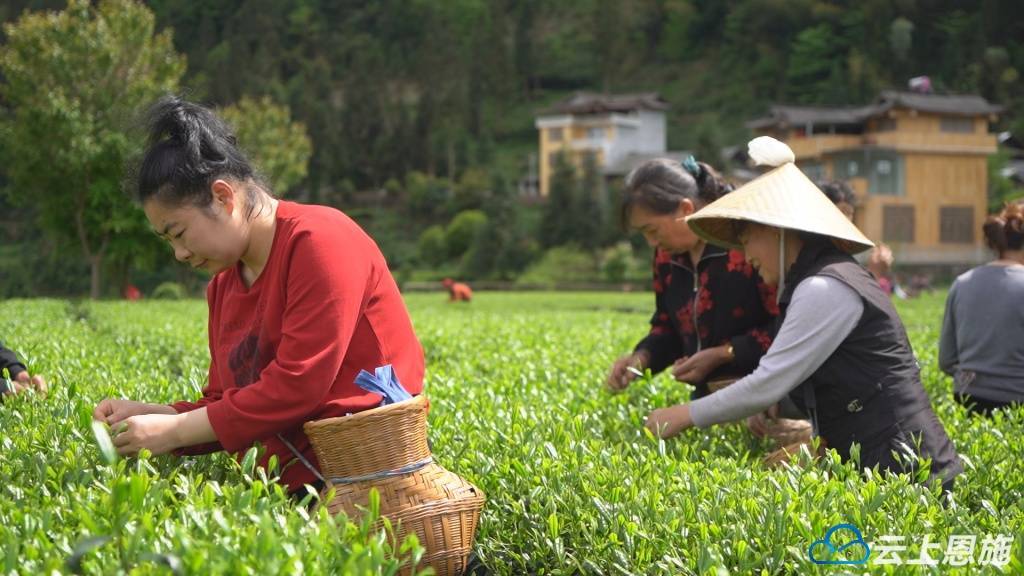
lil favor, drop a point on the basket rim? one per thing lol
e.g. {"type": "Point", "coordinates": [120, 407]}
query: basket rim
{"type": "Point", "coordinates": [418, 401]}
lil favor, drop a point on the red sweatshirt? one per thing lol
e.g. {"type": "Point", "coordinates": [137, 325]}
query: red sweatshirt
{"type": "Point", "coordinates": [287, 349]}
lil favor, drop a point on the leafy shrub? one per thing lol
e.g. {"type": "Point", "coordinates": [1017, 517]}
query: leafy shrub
{"type": "Point", "coordinates": [432, 247]}
{"type": "Point", "coordinates": [618, 262]}
{"type": "Point", "coordinates": [170, 291]}
{"type": "Point", "coordinates": [561, 264]}
{"type": "Point", "coordinates": [462, 230]}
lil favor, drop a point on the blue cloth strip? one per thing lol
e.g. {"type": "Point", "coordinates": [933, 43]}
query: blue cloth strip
{"type": "Point", "coordinates": [384, 382]}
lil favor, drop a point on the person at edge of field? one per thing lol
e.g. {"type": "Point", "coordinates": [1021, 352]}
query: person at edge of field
{"type": "Point", "coordinates": [982, 341]}
{"type": "Point", "coordinates": [457, 291]}
{"type": "Point", "coordinates": [713, 314]}
{"type": "Point", "coordinates": [880, 259]}
{"type": "Point", "coordinates": [20, 378]}
{"type": "Point", "coordinates": [301, 301]}
{"type": "Point", "coordinates": [841, 353]}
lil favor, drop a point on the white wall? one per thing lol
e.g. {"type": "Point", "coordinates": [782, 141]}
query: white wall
{"type": "Point", "coordinates": [642, 132]}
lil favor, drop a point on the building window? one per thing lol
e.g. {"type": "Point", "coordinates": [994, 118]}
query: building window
{"type": "Point", "coordinates": [847, 165]}
{"type": "Point", "coordinates": [885, 125]}
{"type": "Point", "coordinates": [886, 174]}
{"type": "Point", "coordinates": [814, 170]}
{"type": "Point", "coordinates": [595, 133]}
{"type": "Point", "coordinates": [898, 224]}
{"type": "Point", "coordinates": [883, 170]}
{"type": "Point", "coordinates": [555, 135]}
{"type": "Point", "coordinates": [962, 125]}
{"type": "Point", "coordinates": [956, 224]}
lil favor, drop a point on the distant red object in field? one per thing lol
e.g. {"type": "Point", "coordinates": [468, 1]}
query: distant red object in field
{"type": "Point", "coordinates": [457, 291]}
{"type": "Point", "coordinates": [132, 293]}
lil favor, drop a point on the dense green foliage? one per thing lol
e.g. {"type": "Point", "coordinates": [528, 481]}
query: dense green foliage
{"type": "Point", "coordinates": [574, 485]}
{"type": "Point", "coordinates": [69, 83]}
{"type": "Point", "coordinates": [277, 145]}
{"type": "Point", "coordinates": [432, 102]}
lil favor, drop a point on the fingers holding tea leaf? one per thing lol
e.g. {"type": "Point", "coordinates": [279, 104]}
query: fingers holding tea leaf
{"type": "Point", "coordinates": [620, 376]}
{"type": "Point", "coordinates": [103, 410]}
{"type": "Point", "coordinates": [669, 422]}
{"type": "Point", "coordinates": [26, 382]}
{"type": "Point", "coordinates": [153, 432]}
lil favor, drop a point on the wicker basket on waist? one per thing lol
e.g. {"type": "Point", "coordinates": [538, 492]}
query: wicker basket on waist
{"type": "Point", "coordinates": [386, 448]}
{"type": "Point", "coordinates": [788, 434]}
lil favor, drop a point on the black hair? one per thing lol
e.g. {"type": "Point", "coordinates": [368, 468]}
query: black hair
{"type": "Point", "coordinates": [838, 191]}
{"type": "Point", "coordinates": [189, 147]}
{"type": "Point", "coordinates": [659, 185]}
{"type": "Point", "coordinates": [1005, 231]}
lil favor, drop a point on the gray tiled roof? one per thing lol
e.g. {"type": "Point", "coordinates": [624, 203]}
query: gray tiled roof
{"type": "Point", "coordinates": [959, 104]}
{"type": "Point", "coordinates": [952, 104]}
{"type": "Point", "coordinates": [590, 103]}
{"type": "Point", "coordinates": [800, 115]}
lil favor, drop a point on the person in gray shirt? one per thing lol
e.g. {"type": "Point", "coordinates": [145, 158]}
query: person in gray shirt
{"type": "Point", "coordinates": [982, 342]}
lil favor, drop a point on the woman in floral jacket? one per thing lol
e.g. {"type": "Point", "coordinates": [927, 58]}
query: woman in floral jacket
{"type": "Point", "coordinates": [714, 315]}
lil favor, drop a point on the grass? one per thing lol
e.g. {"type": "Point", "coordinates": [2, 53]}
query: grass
{"type": "Point", "coordinates": [574, 484]}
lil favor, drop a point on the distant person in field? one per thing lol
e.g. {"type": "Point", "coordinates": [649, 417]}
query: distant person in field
{"type": "Point", "coordinates": [300, 302]}
{"type": "Point", "coordinates": [457, 291]}
{"type": "Point", "coordinates": [20, 379]}
{"type": "Point", "coordinates": [841, 195]}
{"type": "Point", "coordinates": [982, 341]}
{"type": "Point", "coordinates": [841, 354]}
{"type": "Point", "coordinates": [132, 293]}
{"type": "Point", "coordinates": [713, 314]}
{"type": "Point", "coordinates": [880, 259]}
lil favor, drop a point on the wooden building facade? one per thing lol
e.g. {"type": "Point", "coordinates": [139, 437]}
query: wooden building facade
{"type": "Point", "coordinates": [918, 163]}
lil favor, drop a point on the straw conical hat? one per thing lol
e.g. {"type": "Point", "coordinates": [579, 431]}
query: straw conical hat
{"type": "Point", "coordinates": [783, 198]}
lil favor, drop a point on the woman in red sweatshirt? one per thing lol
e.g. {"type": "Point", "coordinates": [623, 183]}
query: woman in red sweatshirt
{"type": "Point", "coordinates": [301, 300]}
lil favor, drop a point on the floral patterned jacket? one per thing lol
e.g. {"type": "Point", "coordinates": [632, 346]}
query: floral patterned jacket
{"type": "Point", "coordinates": [721, 300]}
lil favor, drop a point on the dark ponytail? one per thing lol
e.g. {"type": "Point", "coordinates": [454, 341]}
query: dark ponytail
{"type": "Point", "coordinates": [189, 147]}
{"type": "Point", "coordinates": [659, 185]}
{"type": "Point", "coordinates": [1005, 231]}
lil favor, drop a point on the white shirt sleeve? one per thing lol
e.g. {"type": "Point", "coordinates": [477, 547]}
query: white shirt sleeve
{"type": "Point", "coordinates": [822, 313]}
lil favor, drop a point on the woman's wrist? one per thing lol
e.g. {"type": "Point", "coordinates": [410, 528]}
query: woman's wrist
{"type": "Point", "coordinates": [726, 353]}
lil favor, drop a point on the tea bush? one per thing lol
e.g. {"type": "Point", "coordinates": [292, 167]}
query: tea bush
{"type": "Point", "coordinates": [574, 483]}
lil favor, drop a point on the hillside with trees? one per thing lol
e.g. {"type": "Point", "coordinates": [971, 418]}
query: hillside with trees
{"type": "Point", "coordinates": [418, 115]}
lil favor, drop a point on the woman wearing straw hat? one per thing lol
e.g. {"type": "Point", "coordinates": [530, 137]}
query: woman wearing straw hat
{"type": "Point", "coordinates": [713, 315]}
{"type": "Point", "coordinates": [841, 353]}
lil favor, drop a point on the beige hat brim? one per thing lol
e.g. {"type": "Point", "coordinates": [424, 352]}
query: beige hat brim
{"type": "Point", "coordinates": [782, 198]}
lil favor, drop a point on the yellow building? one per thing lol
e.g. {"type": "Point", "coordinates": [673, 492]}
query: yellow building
{"type": "Point", "coordinates": [918, 163]}
{"type": "Point", "coordinates": [618, 131]}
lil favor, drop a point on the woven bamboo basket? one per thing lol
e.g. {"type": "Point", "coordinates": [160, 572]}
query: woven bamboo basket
{"type": "Point", "coordinates": [441, 508]}
{"type": "Point", "coordinates": [777, 458]}
{"type": "Point", "coordinates": [719, 383]}
{"type": "Point", "coordinates": [788, 434]}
